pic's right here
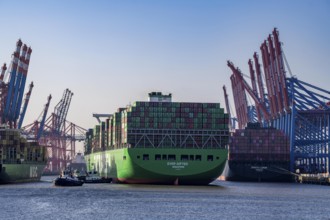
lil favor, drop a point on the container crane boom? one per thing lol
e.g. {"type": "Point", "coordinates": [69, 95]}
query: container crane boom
{"type": "Point", "coordinates": [232, 120]}
{"type": "Point", "coordinates": [43, 119]}
{"type": "Point", "coordinates": [61, 109]}
{"type": "Point", "coordinates": [254, 87]}
{"type": "Point", "coordinates": [240, 101]}
{"type": "Point", "coordinates": [240, 78]}
{"type": "Point", "coordinates": [3, 71]}
{"type": "Point", "coordinates": [259, 78]}
{"type": "Point", "coordinates": [26, 102]}
{"type": "Point", "coordinates": [3, 88]}
{"type": "Point", "coordinates": [274, 67]}
{"type": "Point", "coordinates": [280, 66]}
{"type": "Point", "coordinates": [13, 73]}
{"type": "Point", "coordinates": [17, 84]}
{"type": "Point", "coordinates": [226, 99]}
{"type": "Point", "coordinates": [22, 85]}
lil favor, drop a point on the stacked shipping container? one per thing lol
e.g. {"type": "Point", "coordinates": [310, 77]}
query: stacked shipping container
{"type": "Point", "coordinates": [171, 118]}
{"type": "Point", "coordinates": [166, 124]}
{"type": "Point", "coordinates": [174, 115]}
{"type": "Point", "coordinates": [15, 149]}
{"type": "Point", "coordinates": [88, 141]}
{"type": "Point", "coordinates": [259, 144]}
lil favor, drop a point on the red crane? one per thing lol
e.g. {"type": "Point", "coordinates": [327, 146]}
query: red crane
{"type": "Point", "coordinates": [277, 93]}
{"type": "Point", "coordinates": [273, 67]}
{"type": "Point", "coordinates": [240, 101]}
{"type": "Point", "coordinates": [281, 69]}
{"type": "Point", "coordinates": [3, 89]}
{"type": "Point", "coordinates": [269, 81]}
{"type": "Point", "coordinates": [254, 87]}
{"type": "Point", "coordinates": [245, 85]}
{"type": "Point", "coordinates": [259, 78]}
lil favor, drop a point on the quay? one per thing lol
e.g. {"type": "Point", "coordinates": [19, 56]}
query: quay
{"type": "Point", "coordinates": [321, 178]}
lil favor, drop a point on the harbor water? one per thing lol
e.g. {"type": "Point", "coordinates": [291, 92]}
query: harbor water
{"type": "Point", "coordinates": [220, 200]}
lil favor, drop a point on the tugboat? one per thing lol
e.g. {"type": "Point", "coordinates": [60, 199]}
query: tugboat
{"type": "Point", "coordinates": [67, 179]}
{"type": "Point", "coordinates": [93, 177]}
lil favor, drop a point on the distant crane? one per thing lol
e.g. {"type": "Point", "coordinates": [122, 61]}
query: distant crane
{"type": "Point", "coordinates": [26, 102]}
{"type": "Point", "coordinates": [232, 123]}
{"type": "Point", "coordinates": [3, 71]}
{"type": "Point", "coordinates": [35, 129]}
{"type": "Point", "coordinates": [61, 109]}
{"type": "Point", "coordinates": [54, 132]}
{"type": "Point", "coordinates": [3, 91]}
{"type": "Point", "coordinates": [60, 143]}
{"type": "Point", "coordinates": [43, 119]}
{"type": "Point", "coordinates": [60, 135]}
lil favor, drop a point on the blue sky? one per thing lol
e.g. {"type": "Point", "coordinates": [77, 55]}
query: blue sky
{"type": "Point", "coordinates": [112, 53]}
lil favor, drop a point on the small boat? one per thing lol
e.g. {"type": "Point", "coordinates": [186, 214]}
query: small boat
{"type": "Point", "coordinates": [93, 177]}
{"type": "Point", "coordinates": [66, 179]}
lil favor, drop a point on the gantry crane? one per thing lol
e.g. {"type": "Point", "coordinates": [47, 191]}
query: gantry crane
{"type": "Point", "coordinates": [57, 134]}
{"type": "Point", "coordinates": [61, 109]}
{"type": "Point", "coordinates": [13, 91]}
{"type": "Point", "coordinates": [233, 120]}
{"type": "Point", "coordinates": [26, 103]}
{"type": "Point", "coordinates": [299, 109]}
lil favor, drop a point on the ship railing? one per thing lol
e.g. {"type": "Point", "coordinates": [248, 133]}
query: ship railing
{"type": "Point", "coordinates": [160, 147]}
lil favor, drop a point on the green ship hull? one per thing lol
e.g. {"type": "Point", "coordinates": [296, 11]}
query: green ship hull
{"type": "Point", "coordinates": [21, 173]}
{"type": "Point", "coordinates": [159, 166]}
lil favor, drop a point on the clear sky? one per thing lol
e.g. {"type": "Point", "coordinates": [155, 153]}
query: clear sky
{"type": "Point", "coordinates": [112, 53]}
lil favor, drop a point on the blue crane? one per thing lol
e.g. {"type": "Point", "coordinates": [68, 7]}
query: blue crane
{"type": "Point", "coordinates": [61, 109]}
{"type": "Point", "coordinates": [22, 84]}
{"type": "Point", "coordinates": [13, 74]}
{"type": "Point", "coordinates": [17, 83]}
{"type": "Point", "coordinates": [26, 102]}
{"type": "Point", "coordinates": [13, 91]}
{"type": "Point", "coordinates": [43, 119]}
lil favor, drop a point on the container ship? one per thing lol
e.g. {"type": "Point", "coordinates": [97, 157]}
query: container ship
{"type": "Point", "coordinates": [258, 154]}
{"type": "Point", "coordinates": [160, 142]}
{"type": "Point", "coordinates": [20, 160]}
